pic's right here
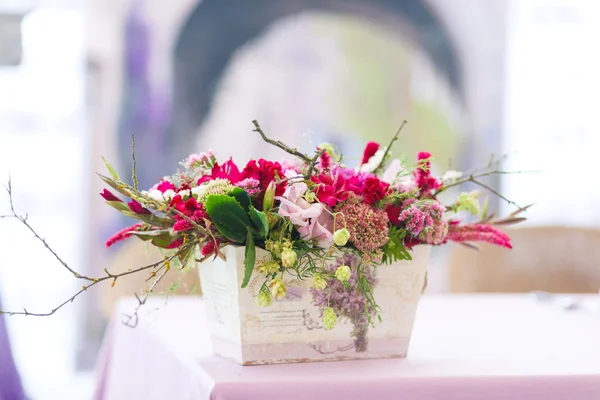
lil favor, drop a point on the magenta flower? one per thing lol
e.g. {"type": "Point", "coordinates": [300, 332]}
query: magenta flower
{"type": "Point", "coordinates": [109, 196]}
{"type": "Point", "coordinates": [478, 233]}
{"type": "Point", "coordinates": [137, 207]}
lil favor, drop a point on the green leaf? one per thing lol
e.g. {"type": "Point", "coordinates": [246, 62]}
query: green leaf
{"type": "Point", "coordinates": [228, 216]}
{"type": "Point", "coordinates": [117, 185]}
{"type": "Point", "coordinates": [185, 256]}
{"type": "Point", "coordinates": [149, 235]}
{"type": "Point", "coordinates": [150, 219]}
{"type": "Point", "coordinates": [259, 219]}
{"type": "Point", "coordinates": [394, 250]}
{"type": "Point", "coordinates": [242, 197]}
{"type": "Point", "coordinates": [249, 259]}
{"type": "Point", "coordinates": [119, 205]}
{"type": "Point", "coordinates": [112, 171]}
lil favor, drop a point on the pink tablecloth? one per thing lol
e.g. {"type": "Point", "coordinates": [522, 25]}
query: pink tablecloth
{"type": "Point", "coordinates": [492, 347]}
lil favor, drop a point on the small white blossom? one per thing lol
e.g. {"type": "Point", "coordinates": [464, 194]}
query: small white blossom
{"type": "Point", "coordinates": [451, 175]}
{"type": "Point", "coordinates": [184, 193]}
{"type": "Point", "coordinates": [169, 194]}
{"type": "Point", "coordinates": [373, 162]}
{"type": "Point", "coordinates": [156, 195]}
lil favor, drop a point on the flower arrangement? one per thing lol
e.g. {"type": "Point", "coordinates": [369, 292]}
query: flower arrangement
{"type": "Point", "coordinates": [316, 217]}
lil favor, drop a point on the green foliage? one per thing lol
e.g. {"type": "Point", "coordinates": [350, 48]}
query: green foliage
{"type": "Point", "coordinates": [259, 219]}
{"type": "Point", "coordinates": [111, 170]}
{"type": "Point", "coordinates": [160, 238]}
{"type": "Point", "coordinates": [118, 205]}
{"type": "Point", "coordinates": [394, 250]}
{"type": "Point", "coordinates": [150, 219]}
{"type": "Point", "coordinates": [250, 258]}
{"type": "Point", "coordinates": [242, 197]}
{"type": "Point", "coordinates": [229, 216]}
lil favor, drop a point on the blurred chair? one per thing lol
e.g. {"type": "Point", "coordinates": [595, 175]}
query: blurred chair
{"type": "Point", "coordinates": [10, 381]}
{"type": "Point", "coordinates": [134, 254]}
{"type": "Point", "coordinates": [549, 258]}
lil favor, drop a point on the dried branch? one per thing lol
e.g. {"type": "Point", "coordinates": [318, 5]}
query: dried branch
{"type": "Point", "coordinates": [23, 220]}
{"type": "Point", "coordinates": [133, 172]}
{"type": "Point", "coordinates": [388, 148]}
{"type": "Point", "coordinates": [282, 145]}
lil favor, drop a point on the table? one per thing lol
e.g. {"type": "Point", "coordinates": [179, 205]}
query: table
{"type": "Point", "coordinates": [467, 347]}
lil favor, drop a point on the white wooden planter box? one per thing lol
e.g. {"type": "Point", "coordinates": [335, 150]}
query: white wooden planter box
{"type": "Point", "coordinates": [291, 330]}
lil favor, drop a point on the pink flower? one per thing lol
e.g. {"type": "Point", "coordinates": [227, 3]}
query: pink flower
{"type": "Point", "coordinates": [265, 172]}
{"type": "Point", "coordinates": [478, 233]}
{"type": "Point", "coordinates": [312, 220]}
{"type": "Point", "coordinates": [123, 234]}
{"type": "Point", "coordinates": [109, 196]}
{"type": "Point", "coordinates": [137, 207]}
{"type": "Point", "coordinates": [335, 187]}
{"type": "Point", "coordinates": [250, 185]}
{"type": "Point", "coordinates": [324, 161]}
{"type": "Point", "coordinates": [423, 178]}
{"type": "Point", "coordinates": [368, 226]}
{"type": "Point", "coordinates": [166, 185]}
{"type": "Point", "coordinates": [228, 171]}
{"type": "Point", "coordinates": [370, 150]}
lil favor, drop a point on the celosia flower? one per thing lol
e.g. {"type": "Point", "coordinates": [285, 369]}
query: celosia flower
{"type": "Point", "coordinates": [210, 247]}
{"type": "Point", "coordinates": [467, 202]}
{"type": "Point", "coordinates": [341, 237]}
{"type": "Point", "coordinates": [342, 273]}
{"type": "Point", "coordinates": [312, 221]}
{"type": "Point", "coordinates": [123, 234]}
{"type": "Point", "coordinates": [277, 288]}
{"type": "Point", "coordinates": [423, 178]}
{"type": "Point", "coordinates": [370, 149]}
{"type": "Point", "coordinates": [288, 258]}
{"type": "Point", "coordinates": [109, 196]}
{"type": "Point", "coordinates": [175, 244]}
{"type": "Point", "coordinates": [478, 233]}
{"type": "Point", "coordinates": [329, 318]}
{"type": "Point", "coordinates": [191, 209]}
{"type": "Point", "coordinates": [368, 226]}
{"type": "Point", "coordinates": [264, 299]}
{"type": "Point", "coordinates": [324, 160]}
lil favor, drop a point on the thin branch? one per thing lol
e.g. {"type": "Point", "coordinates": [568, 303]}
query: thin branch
{"type": "Point", "coordinates": [470, 178]}
{"type": "Point", "coordinates": [494, 192]}
{"type": "Point", "coordinates": [134, 173]}
{"type": "Point", "coordinates": [94, 282]}
{"type": "Point", "coordinates": [23, 220]}
{"type": "Point", "coordinates": [281, 145]}
{"type": "Point", "coordinates": [312, 163]}
{"type": "Point", "coordinates": [387, 150]}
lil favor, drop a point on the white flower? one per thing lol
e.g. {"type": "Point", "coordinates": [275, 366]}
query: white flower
{"type": "Point", "coordinates": [451, 175]}
{"type": "Point", "coordinates": [373, 162]}
{"type": "Point", "coordinates": [156, 195]}
{"type": "Point", "coordinates": [198, 190]}
{"type": "Point", "coordinates": [184, 193]}
{"type": "Point", "coordinates": [169, 194]}
{"type": "Point", "coordinates": [392, 171]}
{"type": "Point", "coordinates": [288, 258]}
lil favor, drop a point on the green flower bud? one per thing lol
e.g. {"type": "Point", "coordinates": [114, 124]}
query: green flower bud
{"type": "Point", "coordinates": [319, 283]}
{"type": "Point", "coordinates": [288, 257]}
{"type": "Point", "coordinates": [468, 202]}
{"type": "Point", "coordinates": [341, 237]}
{"type": "Point", "coordinates": [269, 198]}
{"type": "Point", "coordinates": [311, 197]}
{"type": "Point", "coordinates": [343, 273]}
{"type": "Point", "coordinates": [278, 289]}
{"type": "Point", "coordinates": [329, 318]}
{"type": "Point", "coordinates": [264, 299]}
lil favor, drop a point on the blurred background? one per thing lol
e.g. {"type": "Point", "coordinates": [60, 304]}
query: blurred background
{"type": "Point", "coordinates": [473, 78]}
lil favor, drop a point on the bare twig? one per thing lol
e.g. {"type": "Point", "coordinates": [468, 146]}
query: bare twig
{"type": "Point", "coordinates": [23, 220]}
{"type": "Point", "coordinates": [388, 148]}
{"type": "Point", "coordinates": [281, 145]}
{"type": "Point", "coordinates": [133, 172]}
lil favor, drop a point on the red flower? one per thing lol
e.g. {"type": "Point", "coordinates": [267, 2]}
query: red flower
{"type": "Point", "coordinates": [109, 196]}
{"type": "Point", "coordinates": [137, 207]}
{"type": "Point", "coordinates": [191, 209]}
{"type": "Point", "coordinates": [324, 160]}
{"type": "Point", "coordinates": [265, 172]}
{"type": "Point", "coordinates": [228, 171]}
{"type": "Point", "coordinates": [423, 178]}
{"type": "Point", "coordinates": [370, 150]}
{"type": "Point", "coordinates": [210, 247]}
{"type": "Point", "coordinates": [175, 244]}
{"type": "Point", "coordinates": [123, 234]}
{"type": "Point", "coordinates": [166, 185]}
{"type": "Point", "coordinates": [374, 190]}
{"type": "Point", "coordinates": [333, 189]}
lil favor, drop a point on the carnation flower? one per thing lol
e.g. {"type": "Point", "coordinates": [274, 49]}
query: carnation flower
{"type": "Point", "coordinates": [422, 219]}
{"type": "Point", "coordinates": [374, 162]}
{"type": "Point", "coordinates": [370, 149]}
{"type": "Point", "coordinates": [374, 190]}
{"type": "Point", "coordinates": [265, 172]}
{"type": "Point", "coordinates": [368, 227]}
